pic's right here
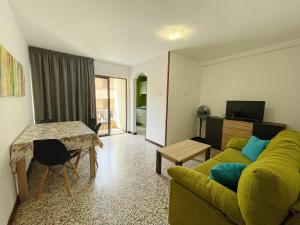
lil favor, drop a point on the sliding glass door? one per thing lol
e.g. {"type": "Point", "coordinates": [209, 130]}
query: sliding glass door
{"type": "Point", "coordinates": [102, 104]}
{"type": "Point", "coordinates": [117, 105]}
{"type": "Point", "coordinates": [111, 104]}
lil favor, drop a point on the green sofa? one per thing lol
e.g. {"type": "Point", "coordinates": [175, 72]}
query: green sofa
{"type": "Point", "coordinates": [268, 189]}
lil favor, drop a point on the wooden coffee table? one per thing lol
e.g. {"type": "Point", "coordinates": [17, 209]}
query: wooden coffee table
{"type": "Point", "coordinates": [181, 152]}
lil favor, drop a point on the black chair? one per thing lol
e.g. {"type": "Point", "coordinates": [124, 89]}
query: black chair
{"type": "Point", "coordinates": [93, 125]}
{"type": "Point", "coordinates": [52, 152]}
{"type": "Point", "coordinates": [47, 121]}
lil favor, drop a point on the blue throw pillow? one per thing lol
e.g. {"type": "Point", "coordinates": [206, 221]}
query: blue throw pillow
{"type": "Point", "coordinates": [254, 147]}
{"type": "Point", "coordinates": [227, 174]}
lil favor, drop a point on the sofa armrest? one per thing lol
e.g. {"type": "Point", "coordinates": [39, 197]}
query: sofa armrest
{"type": "Point", "coordinates": [267, 190]}
{"type": "Point", "coordinates": [237, 143]}
{"type": "Point", "coordinates": [293, 220]}
{"type": "Point", "coordinates": [212, 192]}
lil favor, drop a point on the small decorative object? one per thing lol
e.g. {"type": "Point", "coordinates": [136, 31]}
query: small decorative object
{"type": "Point", "coordinates": [12, 81]}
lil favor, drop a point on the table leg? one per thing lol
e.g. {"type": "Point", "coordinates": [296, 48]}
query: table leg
{"type": "Point", "coordinates": [207, 154]}
{"type": "Point", "coordinates": [158, 162]}
{"type": "Point", "coordinates": [92, 162]}
{"type": "Point", "coordinates": [22, 180]}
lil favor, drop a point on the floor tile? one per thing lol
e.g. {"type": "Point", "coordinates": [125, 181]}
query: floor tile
{"type": "Point", "coordinates": [126, 189]}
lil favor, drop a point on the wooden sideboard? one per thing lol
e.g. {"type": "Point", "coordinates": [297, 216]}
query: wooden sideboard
{"type": "Point", "coordinates": [235, 128]}
{"type": "Point", "coordinates": [220, 130]}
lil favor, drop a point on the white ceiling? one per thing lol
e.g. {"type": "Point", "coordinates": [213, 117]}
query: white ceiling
{"type": "Point", "coordinates": [127, 31]}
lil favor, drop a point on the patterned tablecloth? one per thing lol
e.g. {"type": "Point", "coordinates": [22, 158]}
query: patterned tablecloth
{"type": "Point", "coordinates": [74, 135]}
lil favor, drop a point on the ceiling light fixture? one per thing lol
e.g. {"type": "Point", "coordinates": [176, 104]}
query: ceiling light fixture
{"type": "Point", "coordinates": [174, 32]}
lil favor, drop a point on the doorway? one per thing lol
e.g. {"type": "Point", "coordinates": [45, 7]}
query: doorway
{"type": "Point", "coordinates": [141, 104]}
{"type": "Point", "coordinates": [111, 104]}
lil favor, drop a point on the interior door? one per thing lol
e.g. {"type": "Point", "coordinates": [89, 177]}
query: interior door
{"type": "Point", "coordinates": [102, 104]}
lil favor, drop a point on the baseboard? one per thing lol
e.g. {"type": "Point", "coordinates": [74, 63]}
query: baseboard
{"type": "Point", "coordinates": [17, 202]}
{"type": "Point", "coordinates": [152, 142]}
{"type": "Point", "coordinates": [13, 212]}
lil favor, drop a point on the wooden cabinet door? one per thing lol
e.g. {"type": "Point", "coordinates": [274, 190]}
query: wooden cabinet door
{"type": "Point", "coordinates": [235, 128]}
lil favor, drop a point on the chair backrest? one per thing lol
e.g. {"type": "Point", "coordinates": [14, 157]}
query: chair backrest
{"type": "Point", "coordinates": [47, 121]}
{"type": "Point", "coordinates": [50, 152]}
{"type": "Point", "coordinates": [93, 125]}
{"type": "Point", "coordinates": [97, 128]}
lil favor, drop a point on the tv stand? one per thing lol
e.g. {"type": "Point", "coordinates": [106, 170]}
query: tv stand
{"type": "Point", "coordinates": [219, 130]}
{"type": "Point", "coordinates": [235, 128]}
{"type": "Point", "coordinates": [241, 119]}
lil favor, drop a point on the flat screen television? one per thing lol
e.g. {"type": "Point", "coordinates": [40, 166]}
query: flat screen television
{"type": "Point", "coordinates": [245, 110]}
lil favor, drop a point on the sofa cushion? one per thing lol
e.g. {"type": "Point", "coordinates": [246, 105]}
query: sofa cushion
{"type": "Point", "coordinates": [284, 145]}
{"type": "Point", "coordinates": [227, 156]}
{"type": "Point", "coordinates": [210, 191]}
{"type": "Point", "coordinates": [187, 208]}
{"type": "Point", "coordinates": [227, 174]}
{"type": "Point", "coordinates": [254, 148]}
{"type": "Point", "coordinates": [270, 186]}
{"type": "Point", "coordinates": [237, 143]}
{"type": "Point", "coordinates": [206, 166]}
{"type": "Point", "coordinates": [232, 156]}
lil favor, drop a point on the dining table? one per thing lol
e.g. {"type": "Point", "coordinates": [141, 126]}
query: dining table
{"type": "Point", "coordinates": [74, 135]}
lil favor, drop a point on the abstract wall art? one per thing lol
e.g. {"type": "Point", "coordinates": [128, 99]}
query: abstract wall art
{"type": "Point", "coordinates": [12, 82]}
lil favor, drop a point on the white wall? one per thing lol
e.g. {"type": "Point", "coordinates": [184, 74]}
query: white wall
{"type": "Point", "coordinates": [16, 112]}
{"type": "Point", "coordinates": [156, 71]}
{"type": "Point", "coordinates": [272, 76]}
{"type": "Point", "coordinates": [111, 69]}
{"type": "Point", "coordinates": [184, 97]}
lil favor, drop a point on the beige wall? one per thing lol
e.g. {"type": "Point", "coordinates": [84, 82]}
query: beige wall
{"type": "Point", "coordinates": [16, 112]}
{"type": "Point", "coordinates": [111, 69]}
{"type": "Point", "coordinates": [156, 71]}
{"type": "Point", "coordinates": [272, 76]}
{"type": "Point", "coordinates": [184, 96]}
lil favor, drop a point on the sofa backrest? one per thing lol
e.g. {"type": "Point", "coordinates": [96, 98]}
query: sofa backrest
{"type": "Point", "coordinates": [271, 185]}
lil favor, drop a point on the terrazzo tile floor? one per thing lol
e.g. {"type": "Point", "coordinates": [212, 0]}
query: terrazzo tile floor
{"type": "Point", "coordinates": [126, 189]}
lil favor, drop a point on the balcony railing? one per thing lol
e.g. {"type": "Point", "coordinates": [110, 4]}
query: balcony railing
{"type": "Point", "coordinates": [102, 115]}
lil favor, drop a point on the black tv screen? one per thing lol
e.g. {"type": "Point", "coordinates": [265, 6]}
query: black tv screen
{"type": "Point", "coordinates": [245, 110]}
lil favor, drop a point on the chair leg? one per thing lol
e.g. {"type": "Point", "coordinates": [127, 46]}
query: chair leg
{"type": "Point", "coordinates": [77, 160]}
{"type": "Point", "coordinates": [74, 170]}
{"type": "Point", "coordinates": [43, 182]}
{"type": "Point", "coordinates": [96, 161]}
{"type": "Point", "coordinates": [66, 180]}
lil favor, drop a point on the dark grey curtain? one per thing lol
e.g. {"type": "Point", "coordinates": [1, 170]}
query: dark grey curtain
{"type": "Point", "coordinates": [63, 86]}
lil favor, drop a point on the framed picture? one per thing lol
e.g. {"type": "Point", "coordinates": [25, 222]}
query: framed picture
{"type": "Point", "coordinates": [12, 82]}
